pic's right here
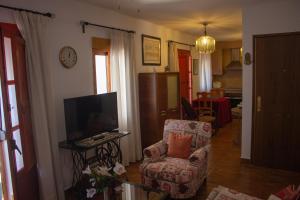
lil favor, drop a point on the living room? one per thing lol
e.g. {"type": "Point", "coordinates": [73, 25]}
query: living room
{"type": "Point", "coordinates": [64, 29]}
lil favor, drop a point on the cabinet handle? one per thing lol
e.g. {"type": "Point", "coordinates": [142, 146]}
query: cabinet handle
{"type": "Point", "coordinates": [174, 110]}
{"type": "Point", "coordinates": [163, 113]}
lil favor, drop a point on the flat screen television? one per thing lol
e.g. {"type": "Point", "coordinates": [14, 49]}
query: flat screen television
{"type": "Point", "coordinates": [90, 115]}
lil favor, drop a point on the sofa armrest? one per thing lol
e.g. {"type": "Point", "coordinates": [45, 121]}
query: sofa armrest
{"type": "Point", "coordinates": [156, 150]}
{"type": "Point", "coordinates": [200, 155]}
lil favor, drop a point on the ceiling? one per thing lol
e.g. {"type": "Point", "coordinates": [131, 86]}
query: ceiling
{"type": "Point", "coordinates": [224, 16]}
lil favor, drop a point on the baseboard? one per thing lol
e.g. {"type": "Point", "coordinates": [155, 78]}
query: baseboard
{"type": "Point", "coordinates": [245, 160]}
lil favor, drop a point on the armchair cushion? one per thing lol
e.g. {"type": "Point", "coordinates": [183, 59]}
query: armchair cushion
{"type": "Point", "coordinates": [155, 151]}
{"type": "Point", "coordinates": [200, 131]}
{"type": "Point", "coordinates": [179, 145]}
{"type": "Point", "coordinates": [174, 170]}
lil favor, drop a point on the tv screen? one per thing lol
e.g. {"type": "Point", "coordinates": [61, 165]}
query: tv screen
{"type": "Point", "coordinates": [90, 115]}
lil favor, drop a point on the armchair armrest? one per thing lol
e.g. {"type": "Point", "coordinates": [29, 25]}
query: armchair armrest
{"type": "Point", "coordinates": [155, 151]}
{"type": "Point", "coordinates": [200, 155]}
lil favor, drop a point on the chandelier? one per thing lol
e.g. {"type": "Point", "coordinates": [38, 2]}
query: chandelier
{"type": "Point", "coordinates": [205, 43]}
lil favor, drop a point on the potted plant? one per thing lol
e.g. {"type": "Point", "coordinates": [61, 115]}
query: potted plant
{"type": "Point", "coordinates": [98, 180]}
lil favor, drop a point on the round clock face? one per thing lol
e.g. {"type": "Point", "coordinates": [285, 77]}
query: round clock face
{"type": "Point", "coordinates": [68, 57]}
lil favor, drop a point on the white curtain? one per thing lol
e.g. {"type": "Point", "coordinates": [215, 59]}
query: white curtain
{"type": "Point", "coordinates": [205, 73]}
{"type": "Point", "coordinates": [173, 57]}
{"type": "Point", "coordinates": [124, 82]}
{"type": "Point", "coordinates": [33, 28]}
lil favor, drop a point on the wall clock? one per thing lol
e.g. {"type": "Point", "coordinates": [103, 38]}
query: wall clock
{"type": "Point", "coordinates": [68, 57]}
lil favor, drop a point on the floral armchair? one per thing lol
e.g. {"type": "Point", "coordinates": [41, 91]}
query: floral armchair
{"type": "Point", "coordinates": [180, 177]}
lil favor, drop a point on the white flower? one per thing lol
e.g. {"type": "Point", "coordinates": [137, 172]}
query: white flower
{"type": "Point", "coordinates": [87, 170]}
{"type": "Point", "coordinates": [119, 169]}
{"type": "Point", "coordinates": [90, 192]}
{"type": "Point", "coordinates": [104, 171]}
{"type": "Point", "coordinates": [93, 181]}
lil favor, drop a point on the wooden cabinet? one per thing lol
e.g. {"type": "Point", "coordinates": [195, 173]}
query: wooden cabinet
{"type": "Point", "coordinates": [159, 100]}
{"type": "Point", "coordinates": [217, 60]}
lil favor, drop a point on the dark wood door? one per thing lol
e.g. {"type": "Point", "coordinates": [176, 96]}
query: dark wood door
{"type": "Point", "coordinates": [17, 115]}
{"type": "Point", "coordinates": [185, 74]}
{"type": "Point", "coordinates": [275, 140]}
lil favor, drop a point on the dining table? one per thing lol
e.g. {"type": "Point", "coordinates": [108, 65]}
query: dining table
{"type": "Point", "coordinates": [221, 109]}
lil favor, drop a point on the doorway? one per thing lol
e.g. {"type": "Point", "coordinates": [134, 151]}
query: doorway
{"type": "Point", "coordinates": [185, 74]}
{"type": "Point", "coordinates": [17, 157]}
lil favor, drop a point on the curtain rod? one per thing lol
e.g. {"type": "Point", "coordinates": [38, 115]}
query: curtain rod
{"type": "Point", "coordinates": [26, 10]}
{"type": "Point", "coordinates": [191, 45]}
{"type": "Point", "coordinates": [84, 24]}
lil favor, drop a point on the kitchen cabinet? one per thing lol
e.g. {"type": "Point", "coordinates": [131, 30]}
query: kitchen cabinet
{"type": "Point", "coordinates": [220, 54]}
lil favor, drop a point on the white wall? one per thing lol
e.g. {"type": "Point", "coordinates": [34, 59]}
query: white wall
{"type": "Point", "coordinates": [65, 30]}
{"type": "Point", "coordinates": [262, 18]}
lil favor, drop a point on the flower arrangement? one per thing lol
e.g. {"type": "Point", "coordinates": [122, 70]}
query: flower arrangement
{"type": "Point", "coordinates": [97, 179]}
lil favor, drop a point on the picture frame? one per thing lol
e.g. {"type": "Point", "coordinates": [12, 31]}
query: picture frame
{"type": "Point", "coordinates": [151, 50]}
{"type": "Point", "coordinates": [195, 67]}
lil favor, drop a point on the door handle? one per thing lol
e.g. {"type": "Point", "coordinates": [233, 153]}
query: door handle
{"type": "Point", "coordinates": [14, 146]}
{"type": "Point", "coordinates": [258, 103]}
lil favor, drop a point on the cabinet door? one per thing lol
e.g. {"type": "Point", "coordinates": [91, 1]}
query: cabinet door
{"type": "Point", "coordinates": [216, 62]}
{"type": "Point", "coordinates": [173, 96]}
{"type": "Point", "coordinates": [148, 106]}
{"type": "Point", "coordinates": [162, 101]}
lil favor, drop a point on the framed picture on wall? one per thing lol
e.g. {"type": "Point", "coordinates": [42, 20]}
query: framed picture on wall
{"type": "Point", "coordinates": [195, 66]}
{"type": "Point", "coordinates": [151, 50]}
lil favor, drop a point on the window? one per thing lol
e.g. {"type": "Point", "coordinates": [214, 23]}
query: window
{"type": "Point", "coordinates": [102, 83]}
{"type": "Point", "coordinates": [102, 73]}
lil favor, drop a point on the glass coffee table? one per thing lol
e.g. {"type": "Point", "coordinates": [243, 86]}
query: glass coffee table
{"type": "Point", "coordinates": [133, 191]}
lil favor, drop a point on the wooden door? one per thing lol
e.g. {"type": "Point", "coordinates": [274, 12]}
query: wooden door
{"type": "Point", "coordinates": [16, 114]}
{"type": "Point", "coordinates": [275, 139]}
{"type": "Point", "coordinates": [185, 74]}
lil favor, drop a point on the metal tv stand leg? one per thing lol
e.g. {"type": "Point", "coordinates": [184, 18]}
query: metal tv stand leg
{"type": "Point", "coordinates": [79, 163]}
{"type": "Point", "coordinates": [110, 153]}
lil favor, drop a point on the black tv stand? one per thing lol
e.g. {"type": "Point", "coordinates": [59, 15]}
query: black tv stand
{"type": "Point", "coordinates": [105, 150]}
{"type": "Point", "coordinates": [97, 137]}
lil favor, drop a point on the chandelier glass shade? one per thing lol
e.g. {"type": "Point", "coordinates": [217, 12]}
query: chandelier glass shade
{"type": "Point", "coordinates": [205, 43]}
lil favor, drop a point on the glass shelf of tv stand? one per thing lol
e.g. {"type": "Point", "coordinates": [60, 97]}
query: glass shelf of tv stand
{"type": "Point", "coordinates": [72, 145]}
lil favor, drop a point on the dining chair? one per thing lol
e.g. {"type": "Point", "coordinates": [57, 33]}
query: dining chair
{"type": "Point", "coordinates": [217, 92]}
{"type": "Point", "coordinates": [188, 111]}
{"type": "Point", "coordinates": [205, 107]}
